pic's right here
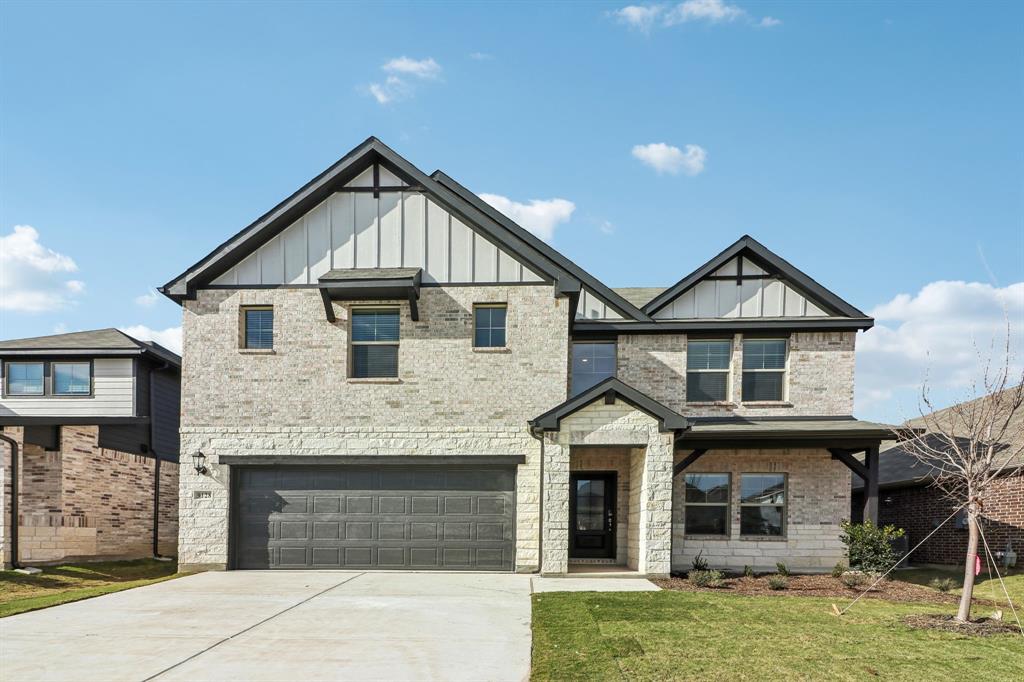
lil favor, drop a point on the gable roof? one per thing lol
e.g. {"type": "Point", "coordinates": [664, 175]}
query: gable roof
{"type": "Point", "coordinates": [611, 389]}
{"type": "Point", "coordinates": [771, 262]}
{"type": "Point", "coordinates": [450, 195]}
{"type": "Point", "coordinates": [108, 341]}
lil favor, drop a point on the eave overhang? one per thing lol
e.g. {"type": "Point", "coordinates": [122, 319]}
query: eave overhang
{"type": "Point", "coordinates": [844, 433]}
{"type": "Point", "coordinates": [610, 390]}
{"type": "Point", "coordinates": [371, 284]}
{"type": "Point", "coordinates": [605, 328]}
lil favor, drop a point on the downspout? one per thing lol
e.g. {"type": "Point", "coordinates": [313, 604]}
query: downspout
{"type": "Point", "coordinates": [540, 500]}
{"type": "Point", "coordinates": [156, 465]}
{"type": "Point", "coordinates": [14, 499]}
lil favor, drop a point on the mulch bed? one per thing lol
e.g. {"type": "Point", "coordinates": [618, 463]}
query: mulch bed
{"type": "Point", "coordinates": [817, 586]}
{"type": "Point", "coordinates": [947, 623]}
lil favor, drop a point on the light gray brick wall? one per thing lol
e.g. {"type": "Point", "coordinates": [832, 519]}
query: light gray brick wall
{"type": "Point", "coordinates": [819, 377]}
{"type": "Point", "coordinates": [818, 499]}
{"type": "Point", "coordinates": [449, 399]}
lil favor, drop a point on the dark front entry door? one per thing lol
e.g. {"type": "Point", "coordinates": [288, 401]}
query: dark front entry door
{"type": "Point", "coordinates": [592, 515]}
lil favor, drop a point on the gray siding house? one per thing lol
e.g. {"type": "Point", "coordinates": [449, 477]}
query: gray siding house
{"type": "Point", "coordinates": [383, 371]}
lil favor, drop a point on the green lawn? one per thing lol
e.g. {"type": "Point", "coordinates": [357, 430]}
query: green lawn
{"type": "Point", "coordinates": [71, 582]}
{"type": "Point", "coordinates": [684, 635]}
{"type": "Point", "coordinates": [983, 588]}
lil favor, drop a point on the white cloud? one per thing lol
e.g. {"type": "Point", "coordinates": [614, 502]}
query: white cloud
{"type": "Point", "coordinates": [147, 300]}
{"type": "Point", "coordinates": [937, 333]}
{"type": "Point", "coordinates": [481, 56]}
{"type": "Point", "coordinates": [539, 216]}
{"type": "Point", "coordinates": [769, 22]}
{"type": "Point", "coordinates": [33, 277]}
{"type": "Point", "coordinates": [397, 86]}
{"type": "Point", "coordinates": [169, 338]}
{"type": "Point", "coordinates": [713, 11]}
{"type": "Point", "coordinates": [606, 227]}
{"type": "Point", "coordinates": [640, 17]}
{"type": "Point", "coordinates": [666, 158]}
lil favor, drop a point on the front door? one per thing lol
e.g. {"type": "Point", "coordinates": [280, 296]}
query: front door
{"type": "Point", "coordinates": [592, 515]}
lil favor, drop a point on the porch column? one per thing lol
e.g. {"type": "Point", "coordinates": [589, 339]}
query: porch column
{"type": "Point", "coordinates": [555, 520]}
{"type": "Point", "coordinates": [871, 485]}
{"type": "Point", "coordinates": [656, 505]}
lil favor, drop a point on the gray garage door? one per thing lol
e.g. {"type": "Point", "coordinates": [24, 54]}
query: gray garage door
{"type": "Point", "coordinates": [445, 518]}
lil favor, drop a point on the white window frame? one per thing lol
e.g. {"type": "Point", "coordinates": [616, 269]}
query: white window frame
{"type": "Point", "coordinates": [352, 343]}
{"type": "Point", "coordinates": [784, 371]}
{"type": "Point", "coordinates": [727, 371]}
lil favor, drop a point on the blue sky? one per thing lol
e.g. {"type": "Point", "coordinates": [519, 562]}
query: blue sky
{"type": "Point", "coordinates": [877, 146]}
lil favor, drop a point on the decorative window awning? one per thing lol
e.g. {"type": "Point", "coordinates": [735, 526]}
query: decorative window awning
{"type": "Point", "coordinates": [371, 284]}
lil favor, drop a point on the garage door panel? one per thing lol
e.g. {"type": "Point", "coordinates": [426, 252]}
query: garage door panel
{"type": "Point", "coordinates": [467, 524]}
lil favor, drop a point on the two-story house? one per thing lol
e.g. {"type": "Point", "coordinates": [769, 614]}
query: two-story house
{"type": "Point", "coordinates": [383, 371]}
{"type": "Point", "coordinates": [92, 418]}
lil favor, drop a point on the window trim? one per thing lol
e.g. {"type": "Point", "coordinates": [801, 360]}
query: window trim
{"type": "Point", "coordinates": [784, 505]}
{"type": "Point", "coordinates": [727, 534]}
{"type": "Point", "coordinates": [728, 371]}
{"type": "Point", "coordinates": [243, 337]}
{"type": "Point", "coordinates": [53, 379]}
{"type": "Point", "coordinates": [572, 346]}
{"type": "Point", "coordinates": [499, 304]}
{"type": "Point", "coordinates": [784, 371]}
{"type": "Point", "coordinates": [352, 344]}
{"type": "Point", "coordinates": [7, 378]}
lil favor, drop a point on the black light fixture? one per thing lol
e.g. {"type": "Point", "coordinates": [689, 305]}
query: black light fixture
{"type": "Point", "coordinates": [199, 462]}
{"type": "Point", "coordinates": [888, 500]}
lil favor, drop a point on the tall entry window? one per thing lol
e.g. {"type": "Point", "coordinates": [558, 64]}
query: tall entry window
{"type": "Point", "coordinates": [375, 343]}
{"type": "Point", "coordinates": [707, 370]}
{"type": "Point", "coordinates": [764, 369]}
{"type": "Point", "coordinates": [592, 363]}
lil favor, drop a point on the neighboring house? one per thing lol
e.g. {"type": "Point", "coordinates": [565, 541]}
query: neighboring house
{"type": "Point", "coordinates": [385, 372]}
{"type": "Point", "coordinates": [909, 500]}
{"type": "Point", "coordinates": [94, 416]}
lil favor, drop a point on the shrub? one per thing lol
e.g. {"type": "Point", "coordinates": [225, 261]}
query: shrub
{"type": "Point", "coordinates": [778, 582]}
{"type": "Point", "coordinates": [706, 578]}
{"type": "Point", "coordinates": [942, 584]}
{"type": "Point", "coordinates": [854, 579]}
{"type": "Point", "coordinates": [699, 563]}
{"type": "Point", "coordinates": [782, 569]}
{"type": "Point", "coordinates": [748, 571]}
{"type": "Point", "coordinates": [870, 547]}
{"type": "Point", "coordinates": [838, 570]}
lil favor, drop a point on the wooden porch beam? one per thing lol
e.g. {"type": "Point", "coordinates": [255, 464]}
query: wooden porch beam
{"type": "Point", "coordinates": [690, 459]}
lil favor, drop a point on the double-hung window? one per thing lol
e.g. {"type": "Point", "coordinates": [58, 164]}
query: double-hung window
{"type": "Point", "coordinates": [764, 369]}
{"type": "Point", "coordinates": [707, 504]}
{"type": "Point", "coordinates": [489, 325]}
{"type": "Point", "coordinates": [763, 504]}
{"type": "Point", "coordinates": [259, 327]}
{"type": "Point", "coordinates": [24, 378]}
{"type": "Point", "coordinates": [592, 363]}
{"type": "Point", "coordinates": [71, 378]}
{"type": "Point", "coordinates": [707, 370]}
{"type": "Point", "coordinates": [375, 343]}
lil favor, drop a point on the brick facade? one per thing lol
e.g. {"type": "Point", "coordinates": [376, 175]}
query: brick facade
{"type": "Point", "coordinates": [919, 509]}
{"type": "Point", "coordinates": [88, 502]}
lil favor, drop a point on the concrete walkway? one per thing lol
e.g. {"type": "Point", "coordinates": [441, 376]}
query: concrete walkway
{"type": "Point", "coordinates": [251, 625]}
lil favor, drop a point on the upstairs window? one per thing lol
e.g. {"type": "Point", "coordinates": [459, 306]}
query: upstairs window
{"type": "Point", "coordinates": [24, 378]}
{"type": "Point", "coordinates": [489, 325]}
{"type": "Point", "coordinates": [259, 327]}
{"type": "Point", "coordinates": [592, 363]}
{"type": "Point", "coordinates": [706, 504]}
{"type": "Point", "coordinates": [762, 504]}
{"type": "Point", "coordinates": [707, 370]}
{"type": "Point", "coordinates": [72, 378]}
{"type": "Point", "coordinates": [764, 369]}
{"type": "Point", "coordinates": [375, 343]}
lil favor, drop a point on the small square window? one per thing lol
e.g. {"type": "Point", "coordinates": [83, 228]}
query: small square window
{"type": "Point", "coordinates": [24, 378]}
{"type": "Point", "coordinates": [259, 327]}
{"type": "Point", "coordinates": [489, 326]}
{"type": "Point", "coordinates": [72, 378]}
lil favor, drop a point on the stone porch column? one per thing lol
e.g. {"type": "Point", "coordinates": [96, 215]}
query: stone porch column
{"type": "Point", "coordinates": [556, 504]}
{"type": "Point", "coordinates": [656, 505]}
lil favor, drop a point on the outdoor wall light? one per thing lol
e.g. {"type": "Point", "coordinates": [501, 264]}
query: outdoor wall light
{"type": "Point", "coordinates": [199, 462]}
{"type": "Point", "coordinates": [887, 500]}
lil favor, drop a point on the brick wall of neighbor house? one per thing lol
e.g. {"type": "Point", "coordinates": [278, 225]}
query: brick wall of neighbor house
{"type": "Point", "coordinates": [819, 381]}
{"type": "Point", "coordinates": [818, 499]}
{"type": "Point", "coordinates": [89, 502]}
{"type": "Point", "coordinates": [298, 400]}
{"type": "Point", "coordinates": [920, 509]}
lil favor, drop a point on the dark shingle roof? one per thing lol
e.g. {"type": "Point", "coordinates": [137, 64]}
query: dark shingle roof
{"type": "Point", "coordinates": [105, 341]}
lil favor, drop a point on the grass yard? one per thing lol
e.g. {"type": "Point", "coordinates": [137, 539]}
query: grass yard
{"type": "Point", "coordinates": [983, 587]}
{"type": "Point", "coordinates": [673, 635]}
{"type": "Point", "coordinates": [71, 582]}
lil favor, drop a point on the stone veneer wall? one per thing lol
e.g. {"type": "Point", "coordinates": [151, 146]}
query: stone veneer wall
{"type": "Point", "coordinates": [818, 499]}
{"type": "Point", "coordinates": [819, 375]}
{"type": "Point", "coordinates": [87, 502]}
{"type": "Point", "coordinates": [449, 399]}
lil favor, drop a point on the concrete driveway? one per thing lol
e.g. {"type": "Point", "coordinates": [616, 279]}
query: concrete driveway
{"type": "Point", "coordinates": [282, 626]}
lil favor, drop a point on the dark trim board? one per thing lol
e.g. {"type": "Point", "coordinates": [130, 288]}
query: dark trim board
{"type": "Point", "coordinates": [15, 420]}
{"type": "Point", "coordinates": [762, 443]}
{"type": "Point", "coordinates": [586, 328]}
{"type": "Point", "coordinates": [372, 460]}
{"type": "Point", "coordinates": [611, 389]}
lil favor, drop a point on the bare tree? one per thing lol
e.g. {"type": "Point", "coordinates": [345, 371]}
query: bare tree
{"type": "Point", "coordinates": [968, 445]}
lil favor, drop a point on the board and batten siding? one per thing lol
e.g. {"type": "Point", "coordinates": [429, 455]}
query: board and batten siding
{"type": "Point", "coordinates": [393, 230]}
{"type": "Point", "coordinates": [723, 298]}
{"type": "Point", "coordinates": [113, 396]}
